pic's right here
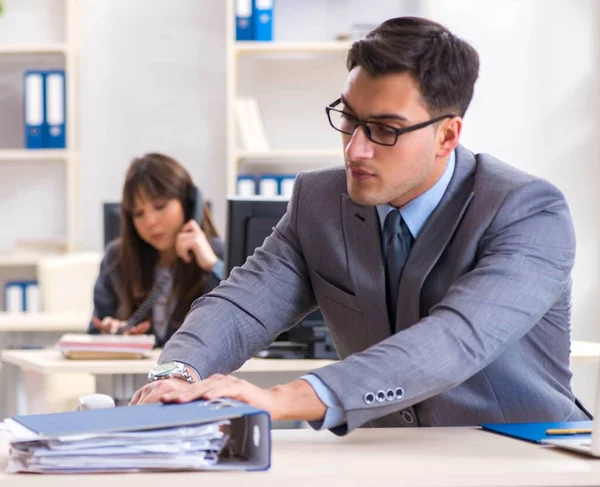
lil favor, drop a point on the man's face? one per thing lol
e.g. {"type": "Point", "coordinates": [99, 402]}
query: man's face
{"type": "Point", "coordinates": [379, 174]}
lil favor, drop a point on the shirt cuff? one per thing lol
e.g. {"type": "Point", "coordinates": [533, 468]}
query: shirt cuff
{"type": "Point", "coordinates": [335, 414]}
{"type": "Point", "coordinates": [218, 270]}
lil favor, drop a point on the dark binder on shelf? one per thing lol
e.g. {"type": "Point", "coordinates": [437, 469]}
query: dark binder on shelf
{"type": "Point", "coordinates": [243, 20]}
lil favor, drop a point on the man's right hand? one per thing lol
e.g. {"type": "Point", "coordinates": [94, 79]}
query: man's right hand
{"type": "Point", "coordinates": [153, 391]}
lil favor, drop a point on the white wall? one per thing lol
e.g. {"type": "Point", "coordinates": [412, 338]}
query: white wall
{"type": "Point", "coordinates": [153, 79]}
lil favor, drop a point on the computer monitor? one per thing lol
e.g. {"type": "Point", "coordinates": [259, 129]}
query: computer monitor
{"type": "Point", "coordinates": [112, 222]}
{"type": "Point", "coordinates": [250, 221]}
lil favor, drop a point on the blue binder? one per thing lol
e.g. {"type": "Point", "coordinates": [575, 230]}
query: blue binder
{"type": "Point", "coordinates": [56, 109]}
{"type": "Point", "coordinates": [262, 20]}
{"type": "Point", "coordinates": [34, 116]}
{"type": "Point", "coordinates": [250, 427]}
{"type": "Point", "coordinates": [243, 20]}
{"type": "Point", "coordinates": [536, 432]}
{"type": "Point", "coordinates": [17, 296]}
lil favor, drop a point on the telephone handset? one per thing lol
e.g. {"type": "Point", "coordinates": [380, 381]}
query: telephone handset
{"type": "Point", "coordinates": [194, 205]}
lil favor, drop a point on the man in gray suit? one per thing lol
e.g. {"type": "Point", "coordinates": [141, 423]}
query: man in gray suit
{"type": "Point", "coordinates": [443, 276]}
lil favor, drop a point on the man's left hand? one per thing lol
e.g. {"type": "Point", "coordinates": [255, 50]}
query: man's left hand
{"type": "Point", "coordinates": [296, 400]}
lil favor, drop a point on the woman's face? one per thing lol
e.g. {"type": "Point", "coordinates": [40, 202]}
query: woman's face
{"type": "Point", "coordinates": [158, 221]}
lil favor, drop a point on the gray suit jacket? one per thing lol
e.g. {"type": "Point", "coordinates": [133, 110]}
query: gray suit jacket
{"type": "Point", "coordinates": [483, 324]}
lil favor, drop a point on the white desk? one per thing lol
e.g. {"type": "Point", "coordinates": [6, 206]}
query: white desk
{"type": "Point", "coordinates": [444, 457]}
{"type": "Point", "coordinates": [120, 378]}
{"type": "Point", "coordinates": [18, 330]}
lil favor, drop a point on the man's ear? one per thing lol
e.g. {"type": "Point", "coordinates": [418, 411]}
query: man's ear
{"type": "Point", "coordinates": [448, 136]}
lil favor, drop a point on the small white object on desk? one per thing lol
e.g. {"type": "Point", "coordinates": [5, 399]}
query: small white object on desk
{"type": "Point", "coordinates": [95, 401]}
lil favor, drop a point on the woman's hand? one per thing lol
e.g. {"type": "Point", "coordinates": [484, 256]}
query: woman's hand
{"type": "Point", "coordinates": [193, 240]}
{"type": "Point", "coordinates": [112, 326]}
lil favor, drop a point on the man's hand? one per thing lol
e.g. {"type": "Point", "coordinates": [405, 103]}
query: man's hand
{"type": "Point", "coordinates": [296, 400]}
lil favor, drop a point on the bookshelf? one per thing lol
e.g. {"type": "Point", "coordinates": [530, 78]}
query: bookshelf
{"type": "Point", "coordinates": [64, 43]}
{"type": "Point", "coordinates": [292, 78]}
{"type": "Point", "coordinates": [282, 157]}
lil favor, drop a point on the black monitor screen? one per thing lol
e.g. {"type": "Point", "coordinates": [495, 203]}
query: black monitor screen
{"type": "Point", "coordinates": [250, 221]}
{"type": "Point", "coordinates": [112, 222]}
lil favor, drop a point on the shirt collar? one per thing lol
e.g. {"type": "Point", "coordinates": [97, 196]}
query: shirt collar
{"type": "Point", "coordinates": [416, 212]}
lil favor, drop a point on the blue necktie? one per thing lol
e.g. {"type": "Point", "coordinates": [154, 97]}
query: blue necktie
{"type": "Point", "coordinates": [396, 246]}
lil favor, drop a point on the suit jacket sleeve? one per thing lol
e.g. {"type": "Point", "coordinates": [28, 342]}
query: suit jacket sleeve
{"type": "Point", "coordinates": [106, 301]}
{"type": "Point", "coordinates": [270, 293]}
{"type": "Point", "coordinates": [524, 264]}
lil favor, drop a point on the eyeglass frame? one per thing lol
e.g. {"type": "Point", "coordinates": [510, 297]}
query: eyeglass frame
{"type": "Point", "coordinates": [367, 130]}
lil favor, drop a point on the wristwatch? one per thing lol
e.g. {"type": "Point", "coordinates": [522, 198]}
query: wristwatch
{"type": "Point", "coordinates": [170, 370]}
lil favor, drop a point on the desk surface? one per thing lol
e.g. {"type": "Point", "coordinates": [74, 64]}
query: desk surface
{"type": "Point", "coordinates": [370, 457]}
{"type": "Point", "coordinates": [44, 322]}
{"type": "Point", "coordinates": [51, 361]}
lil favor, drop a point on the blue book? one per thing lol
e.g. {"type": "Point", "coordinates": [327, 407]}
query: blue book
{"type": "Point", "coordinates": [34, 105]}
{"type": "Point", "coordinates": [56, 109]}
{"type": "Point", "coordinates": [243, 20]}
{"type": "Point", "coordinates": [250, 427]}
{"type": "Point", "coordinates": [536, 432]}
{"type": "Point", "coordinates": [262, 20]}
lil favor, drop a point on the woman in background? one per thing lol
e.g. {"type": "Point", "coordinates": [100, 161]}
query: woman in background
{"type": "Point", "coordinates": [167, 255]}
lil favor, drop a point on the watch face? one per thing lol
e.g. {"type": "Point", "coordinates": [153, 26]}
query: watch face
{"type": "Point", "coordinates": [163, 369]}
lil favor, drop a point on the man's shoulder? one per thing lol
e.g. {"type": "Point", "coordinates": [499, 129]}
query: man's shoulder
{"type": "Point", "coordinates": [322, 184]}
{"type": "Point", "coordinates": [494, 177]}
{"type": "Point", "coordinates": [327, 175]}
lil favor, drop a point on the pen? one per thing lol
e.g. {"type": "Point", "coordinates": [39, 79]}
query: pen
{"type": "Point", "coordinates": [574, 431]}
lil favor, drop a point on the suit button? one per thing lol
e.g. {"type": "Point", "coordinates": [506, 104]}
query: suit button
{"type": "Point", "coordinates": [408, 417]}
{"type": "Point", "coordinates": [390, 395]}
{"type": "Point", "coordinates": [369, 397]}
{"type": "Point", "coordinates": [380, 396]}
{"type": "Point", "coordinates": [399, 393]}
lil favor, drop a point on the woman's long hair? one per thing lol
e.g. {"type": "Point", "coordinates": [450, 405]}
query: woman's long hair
{"type": "Point", "coordinates": [156, 176]}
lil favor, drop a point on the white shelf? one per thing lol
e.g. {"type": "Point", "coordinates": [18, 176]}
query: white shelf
{"type": "Point", "coordinates": [65, 321]}
{"type": "Point", "coordinates": [33, 154]}
{"type": "Point", "coordinates": [290, 155]}
{"type": "Point", "coordinates": [332, 47]}
{"type": "Point", "coordinates": [24, 259]}
{"type": "Point", "coordinates": [33, 49]}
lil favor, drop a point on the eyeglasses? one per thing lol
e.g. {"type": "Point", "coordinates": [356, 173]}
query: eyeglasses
{"type": "Point", "coordinates": [376, 132]}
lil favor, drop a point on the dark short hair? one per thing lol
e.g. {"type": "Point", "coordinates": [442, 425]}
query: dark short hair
{"type": "Point", "coordinates": [444, 66]}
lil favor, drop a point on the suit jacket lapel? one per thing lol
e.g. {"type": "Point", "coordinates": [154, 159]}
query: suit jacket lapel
{"type": "Point", "coordinates": [363, 237]}
{"type": "Point", "coordinates": [434, 238]}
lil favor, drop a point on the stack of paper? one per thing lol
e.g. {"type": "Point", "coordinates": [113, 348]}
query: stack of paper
{"type": "Point", "coordinates": [183, 448]}
{"type": "Point", "coordinates": [221, 434]}
{"type": "Point", "coordinates": [97, 347]}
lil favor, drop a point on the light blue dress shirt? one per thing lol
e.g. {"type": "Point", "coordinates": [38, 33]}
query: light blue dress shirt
{"type": "Point", "coordinates": [415, 213]}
